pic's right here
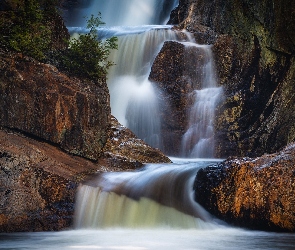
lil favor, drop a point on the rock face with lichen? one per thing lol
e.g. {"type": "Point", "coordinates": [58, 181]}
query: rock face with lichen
{"type": "Point", "coordinates": [258, 193]}
{"type": "Point", "coordinates": [254, 45]}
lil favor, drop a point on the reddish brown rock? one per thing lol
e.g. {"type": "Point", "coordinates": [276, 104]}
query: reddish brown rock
{"type": "Point", "coordinates": [125, 151]}
{"type": "Point", "coordinates": [38, 184]}
{"type": "Point", "coordinates": [39, 100]}
{"type": "Point", "coordinates": [258, 193]}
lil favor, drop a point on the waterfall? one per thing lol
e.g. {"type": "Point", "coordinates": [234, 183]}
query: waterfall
{"type": "Point", "coordinates": [160, 195]}
{"type": "Point", "coordinates": [135, 101]}
{"type": "Point", "coordinates": [198, 140]}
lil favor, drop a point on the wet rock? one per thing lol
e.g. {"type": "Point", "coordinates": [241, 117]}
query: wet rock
{"type": "Point", "coordinates": [256, 193]}
{"type": "Point", "coordinates": [125, 151]}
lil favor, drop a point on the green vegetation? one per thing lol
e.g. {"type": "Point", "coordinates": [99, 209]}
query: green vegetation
{"type": "Point", "coordinates": [26, 26]}
{"type": "Point", "coordinates": [87, 56]}
{"type": "Point", "coordinates": [23, 28]}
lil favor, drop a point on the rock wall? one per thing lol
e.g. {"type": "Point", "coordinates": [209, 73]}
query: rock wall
{"type": "Point", "coordinates": [37, 184]}
{"type": "Point", "coordinates": [258, 193]}
{"type": "Point", "coordinates": [254, 45]}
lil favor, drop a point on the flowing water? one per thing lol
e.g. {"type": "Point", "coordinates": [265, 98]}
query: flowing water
{"type": "Point", "coordinates": [148, 209]}
{"type": "Point", "coordinates": [152, 208]}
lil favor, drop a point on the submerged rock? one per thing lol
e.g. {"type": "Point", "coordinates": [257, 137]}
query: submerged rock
{"type": "Point", "coordinates": [257, 193]}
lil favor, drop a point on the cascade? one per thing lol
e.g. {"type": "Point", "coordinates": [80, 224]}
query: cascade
{"type": "Point", "coordinates": [158, 195]}
{"type": "Point", "coordinates": [134, 99]}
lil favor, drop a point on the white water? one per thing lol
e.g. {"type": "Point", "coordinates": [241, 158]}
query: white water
{"type": "Point", "coordinates": [135, 99]}
{"type": "Point", "coordinates": [123, 12]}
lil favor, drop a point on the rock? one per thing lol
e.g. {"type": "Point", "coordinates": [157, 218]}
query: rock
{"type": "Point", "coordinates": [254, 46]}
{"type": "Point", "coordinates": [38, 184]}
{"type": "Point", "coordinates": [39, 100]}
{"type": "Point", "coordinates": [125, 151]}
{"type": "Point", "coordinates": [257, 193]}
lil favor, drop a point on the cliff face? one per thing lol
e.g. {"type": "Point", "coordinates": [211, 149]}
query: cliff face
{"type": "Point", "coordinates": [257, 193]}
{"type": "Point", "coordinates": [254, 45]}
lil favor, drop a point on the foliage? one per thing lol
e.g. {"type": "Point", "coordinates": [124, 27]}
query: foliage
{"type": "Point", "coordinates": [24, 28]}
{"type": "Point", "coordinates": [87, 56]}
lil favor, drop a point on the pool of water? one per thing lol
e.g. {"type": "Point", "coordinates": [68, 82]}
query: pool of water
{"type": "Point", "coordinates": [208, 239]}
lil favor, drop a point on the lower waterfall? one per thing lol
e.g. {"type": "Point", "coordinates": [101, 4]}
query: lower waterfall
{"type": "Point", "coordinates": [157, 196]}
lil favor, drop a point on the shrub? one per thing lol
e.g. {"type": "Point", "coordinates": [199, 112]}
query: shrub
{"type": "Point", "coordinates": [23, 29]}
{"type": "Point", "coordinates": [87, 56]}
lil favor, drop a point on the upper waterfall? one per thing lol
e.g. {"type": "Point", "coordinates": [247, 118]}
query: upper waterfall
{"type": "Point", "coordinates": [139, 102]}
{"type": "Point", "coordinates": [123, 12]}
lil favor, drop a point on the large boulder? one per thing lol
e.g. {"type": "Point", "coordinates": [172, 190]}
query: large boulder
{"type": "Point", "coordinates": [125, 151]}
{"type": "Point", "coordinates": [39, 100]}
{"type": "Point", "coordinates": [38, 183]}
{"type": "Point", "coordinates": [257, 193]}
